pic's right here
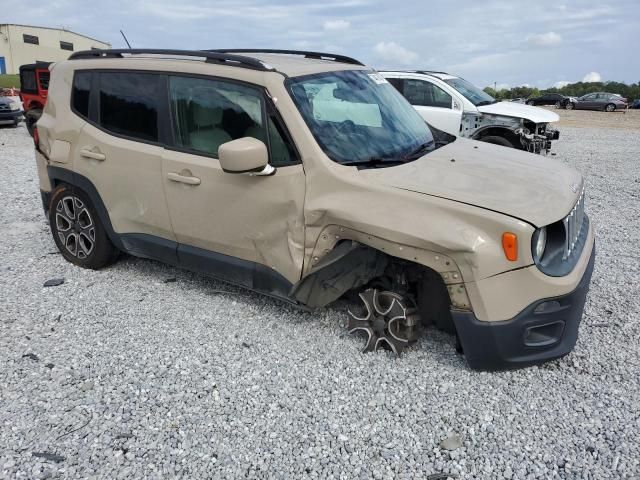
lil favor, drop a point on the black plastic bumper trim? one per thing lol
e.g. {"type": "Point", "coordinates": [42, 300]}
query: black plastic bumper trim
{"type": "Point", "coordinates": [503, 345]}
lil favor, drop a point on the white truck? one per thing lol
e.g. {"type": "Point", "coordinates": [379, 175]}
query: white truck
{"type": "Point", "coordinates": [458, 107]}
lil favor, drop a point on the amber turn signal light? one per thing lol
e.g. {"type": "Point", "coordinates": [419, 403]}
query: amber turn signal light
{"type": "Point", "coordinates": [510, 246]}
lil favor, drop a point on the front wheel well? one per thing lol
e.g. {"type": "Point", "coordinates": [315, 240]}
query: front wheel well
{"type": "Point", "coordinates": [352, 267]}
{"type": "Point", "coordinates": [510, 135]}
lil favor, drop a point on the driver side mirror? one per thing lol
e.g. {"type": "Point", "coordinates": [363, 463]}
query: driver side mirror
{"type": "Point", "coordinates": [245, 155]}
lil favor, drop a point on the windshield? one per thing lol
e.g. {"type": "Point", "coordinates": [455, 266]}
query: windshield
{"type": "Point", "coordinates": [471, 92]}
{"type": "Point", "coordinates": [358, 117]}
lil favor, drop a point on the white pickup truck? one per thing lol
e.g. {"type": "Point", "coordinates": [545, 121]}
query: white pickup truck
{"type": "Point", "coordinates": [458, 107]}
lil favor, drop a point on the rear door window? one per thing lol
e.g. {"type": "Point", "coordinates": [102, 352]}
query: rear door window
{"type": "Point", "coordinates": [426, 94]}
{"type": "Point", "coordinates": [128, 104]}
{"type": "Point", "coordinates": [80, 93]}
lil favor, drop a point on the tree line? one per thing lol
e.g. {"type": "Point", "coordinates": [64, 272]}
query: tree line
{"type": "Point", "coordinates": [630, 92]}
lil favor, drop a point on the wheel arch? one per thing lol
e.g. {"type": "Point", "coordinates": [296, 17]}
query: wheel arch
{"type": "Point", "coordinates": [62, 176]}
{"type": "Point", "coordinates": [339, 251]}
{"type": "Point", "coordinates": [505, 132]}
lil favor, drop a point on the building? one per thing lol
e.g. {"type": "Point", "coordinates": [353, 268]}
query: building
{"type": "Point", "coordinates": [23, 44]}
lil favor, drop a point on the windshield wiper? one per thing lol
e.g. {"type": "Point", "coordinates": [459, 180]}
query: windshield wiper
{"type": "Point", "coordinates": [373, 162]}
{"type": "Point", "coordinates": [420, 151]}
{"type": "Point", "coordinates": [486, 102]}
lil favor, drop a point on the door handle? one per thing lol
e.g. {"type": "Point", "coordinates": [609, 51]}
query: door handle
{"type": "Point", "coordinates": [91, 154]}
{"type": "Point", "coordinates": [176, 177]}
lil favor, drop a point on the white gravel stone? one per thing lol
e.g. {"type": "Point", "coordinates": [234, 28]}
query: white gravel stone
{"type": "Point", "coordinates": [138, 378]}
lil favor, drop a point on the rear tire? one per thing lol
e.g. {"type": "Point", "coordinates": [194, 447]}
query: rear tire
{"type": "Point", "coordinates": [496, 140]}
{"type": "Point", "coordinates": [78, 231]}
{"type": "Point", "coordinates": [610, 107]}
{"type": "Point", "coordinates": [558, 104]}
{"type": "Point", "coordinates": [31, 117]}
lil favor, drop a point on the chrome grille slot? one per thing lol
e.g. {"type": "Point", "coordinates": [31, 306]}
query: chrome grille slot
{"type": "Point", "coordinates": [573, 226]}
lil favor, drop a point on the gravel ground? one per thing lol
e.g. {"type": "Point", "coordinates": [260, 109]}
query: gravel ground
{"type": "Point", "coordinates": [125, 373]}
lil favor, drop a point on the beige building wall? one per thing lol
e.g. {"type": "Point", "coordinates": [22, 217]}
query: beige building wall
{"type": "Point", "coordinates": [17, 52]}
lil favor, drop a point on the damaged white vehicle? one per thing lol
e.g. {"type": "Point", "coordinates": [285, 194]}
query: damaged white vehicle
{"type": "Point", "coordinates": [458, 107]}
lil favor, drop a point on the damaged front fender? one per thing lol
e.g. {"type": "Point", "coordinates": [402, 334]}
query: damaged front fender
{"type": "Point", "coordinates": [348, 266]}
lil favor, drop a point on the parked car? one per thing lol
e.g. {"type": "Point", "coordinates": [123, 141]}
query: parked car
{"type": "Point", "coordinates": [608, 102]}
{"type": "Point", "coordinates": [308, 177]}
{"type": "Point", "coordinates": [458, 107]}
{"type": "Point", "coordinates": [10, 111]}
{"type": "Point", "coordinates": [549, 99]}
{"type": "Point", "coordinates": [34, 84]}
{"type": "Point", "coordinates": [636, 103]}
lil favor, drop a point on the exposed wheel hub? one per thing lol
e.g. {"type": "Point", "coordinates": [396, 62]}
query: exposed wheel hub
{"type": "Point", "coordinates": [387, 320]}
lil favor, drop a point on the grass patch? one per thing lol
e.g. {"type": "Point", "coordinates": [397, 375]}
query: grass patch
{"type": "Point", "coordinates": [8, 81]}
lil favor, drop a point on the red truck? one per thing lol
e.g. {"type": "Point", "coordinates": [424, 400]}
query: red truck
{"type": "Point", "coordinates": [34, 86]}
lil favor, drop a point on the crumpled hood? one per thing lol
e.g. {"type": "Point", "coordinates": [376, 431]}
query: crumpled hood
{"type": "Point", "coordinates": [533, 188]}
{"type": "Point", "coordinates": [520, 110]}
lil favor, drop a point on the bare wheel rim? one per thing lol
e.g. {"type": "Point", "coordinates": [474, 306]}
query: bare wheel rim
{"type": "Point", "coordinates": [386, 319]}
{"type": "Point", "coordinates": [75, 227]}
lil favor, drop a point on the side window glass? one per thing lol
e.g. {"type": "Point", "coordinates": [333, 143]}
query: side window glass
{"type": "Point", "coordinates": [425, 94]}
{"type": "Point", "coordinates": [129, 104]}
{"type": "Point", "coordinates": [415, 91]}
{"type": "Point", "coordinates": [208, 113]}
{"type": "Point", "coordinates": [44, 77]}
{"type": "Point", "coordinates": [80, 93]}
{"type": "Point", "coordinates": [282, 152]}
{"type": "Point", "coordinates": [396, 82]}
{"type": "Point", "coordinates": [28, 81]}
{"type": "Point", "coordinates": [440, 97]}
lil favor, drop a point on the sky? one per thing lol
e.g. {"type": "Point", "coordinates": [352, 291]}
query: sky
{"type": "Point", "coordinates": [504, 43]}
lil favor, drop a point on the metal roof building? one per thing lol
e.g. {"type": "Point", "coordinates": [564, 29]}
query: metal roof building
{"type": "Point", "coordinates": [22, 44]}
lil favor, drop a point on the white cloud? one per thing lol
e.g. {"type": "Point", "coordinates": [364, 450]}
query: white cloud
{"type": "Point", "coordinates": [592, 77]}
{"type": "Point", "coordinates": [548, 39]}
{"type": "Point", "coordinates": [336, 25]}
{"type": "Point", "coordinates": [561, 83]}
{"type": "Point", "coordinates": [394, 53]}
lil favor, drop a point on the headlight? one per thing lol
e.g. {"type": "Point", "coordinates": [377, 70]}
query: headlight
{"type": "Point", "coordinates": [13, 106]}
{"type": "Point", "coordinates": [539, 243]}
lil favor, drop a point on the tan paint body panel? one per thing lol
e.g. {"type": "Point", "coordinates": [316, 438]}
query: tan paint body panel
{"type": "Point", "coordinates": [250, 217]}
{"type": "Point", "coordinates": [446, 215]}
{"type": "Point", "coordinates": [502, 297]}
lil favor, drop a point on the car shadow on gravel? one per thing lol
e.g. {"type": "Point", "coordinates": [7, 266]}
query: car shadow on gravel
{"type": "Point", "coordinates": [331, 321]}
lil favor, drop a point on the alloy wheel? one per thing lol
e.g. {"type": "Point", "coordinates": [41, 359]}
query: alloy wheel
{"type": "Point", "coordinates": [387, 320]}
{"type": "Point", "coordinates": [75, 227]}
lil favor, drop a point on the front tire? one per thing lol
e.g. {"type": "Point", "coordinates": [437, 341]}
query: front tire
{"type": "Point", "coordinates": [531, 102]}
{"type": "Point", "coordinates": [78, 231]}
{"type": "Point", "coordinates": [610, 107]}
{"type": "Point", "coordinates": [570, 106]}
{"type": "Point", "coordinates": [496, 140]}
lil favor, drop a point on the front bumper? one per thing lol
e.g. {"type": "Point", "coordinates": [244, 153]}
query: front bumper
{"type": "Point", "coordinates": [10, 117]}
{"type": "Point", "coordinates": [545, 330]}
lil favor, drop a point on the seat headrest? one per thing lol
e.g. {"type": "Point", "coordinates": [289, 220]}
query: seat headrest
{"type": "Point", "coordinates": [204, 115]}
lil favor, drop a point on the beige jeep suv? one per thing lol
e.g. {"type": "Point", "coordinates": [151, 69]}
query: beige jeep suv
{"type": "Point", "coordinates": [308, 177]}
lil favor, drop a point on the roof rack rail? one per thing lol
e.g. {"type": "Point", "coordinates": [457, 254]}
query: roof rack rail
{"type": "Point", "coordinates": [210, 56]}
{"type": "Point", "coordinates": [431, 71]}
{"type": "Point", "coordinates": [316, 55]}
